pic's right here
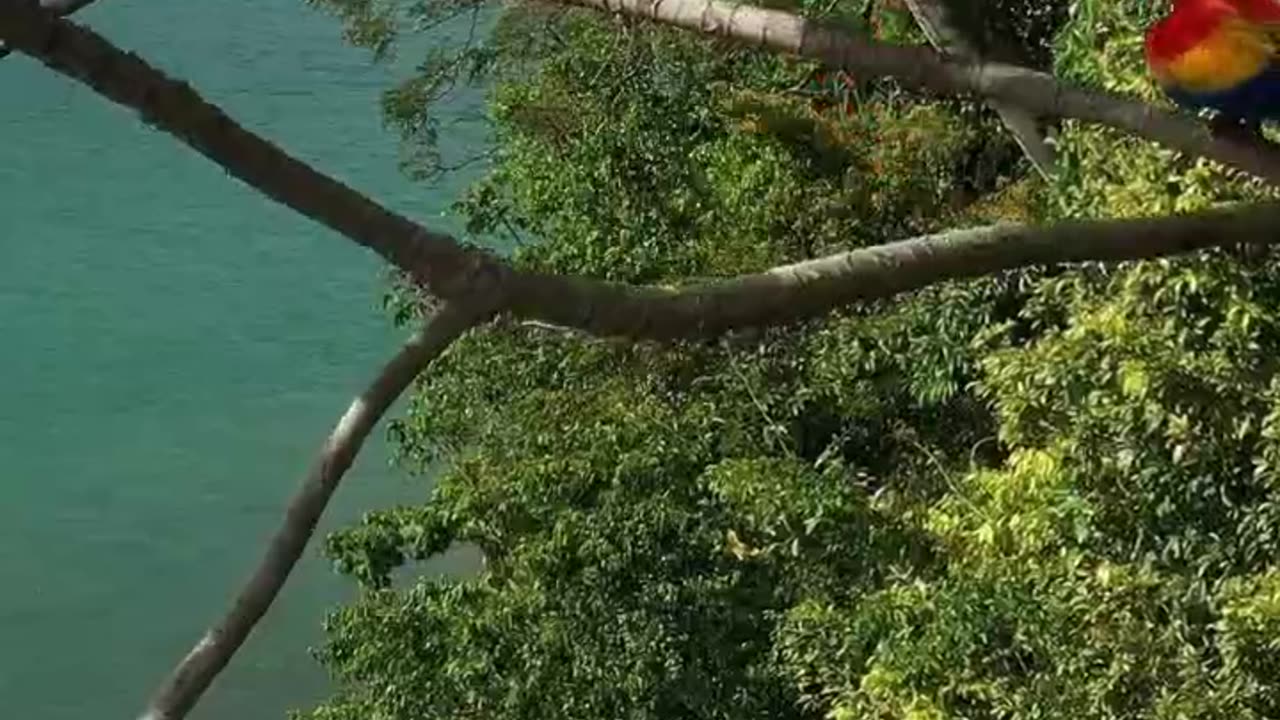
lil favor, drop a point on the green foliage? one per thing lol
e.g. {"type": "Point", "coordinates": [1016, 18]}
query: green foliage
{"type": "Point", "coordinates": [1160, 387]}
{"type": "Point", "coordinates": [1046, 494]}
{"type": "Point", "coordinates": [1250, 629]}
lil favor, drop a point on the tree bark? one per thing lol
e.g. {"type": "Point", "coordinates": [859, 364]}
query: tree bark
{"type": "Point", "coordinates": [193, 675]}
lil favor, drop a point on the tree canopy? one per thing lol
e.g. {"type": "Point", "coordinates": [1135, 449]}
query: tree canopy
{"type": "Point", "coordinates": [1050, 493]}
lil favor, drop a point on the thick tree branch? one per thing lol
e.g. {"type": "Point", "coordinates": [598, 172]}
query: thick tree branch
{"type": "Point", "coordinates": [813, 288]}
{"type": "Point", "coordinates": [61, 7]}
{"type": "Point", "coordinates": [193, 675]}
{"type": "Point", "coordinates": [434, 259]}
{"type": "Point", "coordinates": [922, 70]}
{"type": "Point", "coordinates": [781, 295]}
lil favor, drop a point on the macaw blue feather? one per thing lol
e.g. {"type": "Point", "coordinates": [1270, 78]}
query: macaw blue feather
{"type": "Point", "coordinates": [1256, 99]}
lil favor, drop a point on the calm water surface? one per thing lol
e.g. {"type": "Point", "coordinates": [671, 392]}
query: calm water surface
{"type": "Point", "coordinates": [173, 347]}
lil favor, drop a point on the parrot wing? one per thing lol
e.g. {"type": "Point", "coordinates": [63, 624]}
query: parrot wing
{"type": "Point", "coordinates": [934, 20]}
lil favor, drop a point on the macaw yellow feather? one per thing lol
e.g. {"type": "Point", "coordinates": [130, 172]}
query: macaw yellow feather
{"type": "Point", "coordinates": [1235, 52]}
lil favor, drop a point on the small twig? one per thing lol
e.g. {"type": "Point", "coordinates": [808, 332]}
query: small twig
{"type": "Point", "coordinates": [193, 675]}
{"type": "Point", "coordinates": [472, 160]}
{"type": "Point", "coordinates": [512, 232]}
{"type": "Point", "coordinates": [557, 329]}
{"type": "Point", "coordinates": [769, 422]}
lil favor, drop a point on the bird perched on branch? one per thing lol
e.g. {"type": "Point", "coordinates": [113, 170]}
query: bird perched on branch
{"type": "Point", "coordinates": [1220, 55]}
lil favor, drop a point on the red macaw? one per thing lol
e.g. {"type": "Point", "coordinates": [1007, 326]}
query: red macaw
{"type": "Point", "coordinates": [1221, 55]}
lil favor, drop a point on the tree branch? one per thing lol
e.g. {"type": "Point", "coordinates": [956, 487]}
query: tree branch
{"type": "Point", "coordinates": [61, 7]}
{"type": "Point", "coordinates": [193, 675]}
{"type": "Point", "coordinates": [783, 294]}
{"type": "Point", "coordinates": [780, 295]}
{"type": "Point", "coordinates": [65, 7]}
{"type": "Point", "coordinates": [934, 19]}
{"type": "Point", "coordinates": [923, 70]}
{"type": "Point", "coordinates": [434, 259]}
{"type": "Point", "coordinates": [810, 289]}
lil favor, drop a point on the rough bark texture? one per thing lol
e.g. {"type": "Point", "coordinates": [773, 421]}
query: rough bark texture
{"type": "Point", "coordinates": [933, 18]}
{"type": "Point", "coordinates": [196, 671]}
{"type": "Point", "coordinates": [923, 70]}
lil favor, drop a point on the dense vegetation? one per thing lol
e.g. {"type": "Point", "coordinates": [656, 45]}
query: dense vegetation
{"type": "Point", "coordinates": [1049, 494]}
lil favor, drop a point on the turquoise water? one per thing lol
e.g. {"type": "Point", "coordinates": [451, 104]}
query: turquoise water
{"type": "Point", "coordinates": [174, 347]}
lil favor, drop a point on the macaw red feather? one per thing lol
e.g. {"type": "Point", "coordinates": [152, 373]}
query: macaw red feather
{"type": "Point", "coordinates": [1219, 54]}
{"type": "Point", "coordinates": [1190, 23]}
{"type": "Point", "coordinates": [1194, 20]}
{"type": "Point", "coordinates": [1263, 12]}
